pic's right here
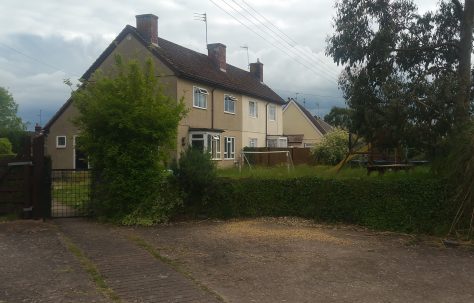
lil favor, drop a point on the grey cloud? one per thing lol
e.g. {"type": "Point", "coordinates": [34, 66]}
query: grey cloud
{"type": "Point", "coordinates": [71, 35]}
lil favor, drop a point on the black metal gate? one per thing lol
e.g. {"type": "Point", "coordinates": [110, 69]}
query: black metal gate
{"type": "Point", "coordinates": [70, 193]}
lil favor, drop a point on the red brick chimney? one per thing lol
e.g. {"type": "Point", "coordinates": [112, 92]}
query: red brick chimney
{"type": "Point", "coordinates": [147, 26]}
{"type": "Point", "coordinates": [256, 69]}
{"type": "Point", "coordinates": [216, 51]}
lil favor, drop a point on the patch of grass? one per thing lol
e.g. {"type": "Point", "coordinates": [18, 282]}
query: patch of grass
{"type": "Point", "coordinates": [175, 265]}
{"type": "Point", "coordinates": [91, 269]}
{"type": "Point", "coordinates": [75, 194]}
{"type": "Point", "coordinates": [320, 171]}
{"type": "Point", "coordinates": [8, 217]}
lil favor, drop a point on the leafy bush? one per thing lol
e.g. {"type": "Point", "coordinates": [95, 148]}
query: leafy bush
{"type": "Point", "coordinates": [195, 174]}
{"type": "Point", "coordinates": [333, 147]}
{"type": "Point", "coordinates": [408, 204]}
{"type": "Point", "coordinates": [5, 147]}
{"type": "Point", "coordinates": [128, 126]}
{"type": "Point", "coordinates": [158, 209]}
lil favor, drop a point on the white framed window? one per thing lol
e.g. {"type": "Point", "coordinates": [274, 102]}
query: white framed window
{"type": "Point", "coordinates": [60, 141]}
{"type": "Point", "coordinates": [207, 142]}
{"type": "Point", "coordinates": [253, 142]}
{"type": "Point", "coordinates": [214, 146]}
{"type": "Point", "coordinates": [229, 104]}
{"type": "Point", "coordinates": [253, 110]}
{"type": "Point", "coordinates": [229, 147]}
{"type": "Point", "coordinates": [200, 97]}
{"type": "Point", "coordinates": [272, 112]}
{"type": "Point", "coordinates": [197, 142]}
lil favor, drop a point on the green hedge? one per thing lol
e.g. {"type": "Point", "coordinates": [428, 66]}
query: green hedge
{"type": "Point", "coordinates": [419, 205]}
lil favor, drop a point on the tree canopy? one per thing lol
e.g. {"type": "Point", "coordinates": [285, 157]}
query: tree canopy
{"type": "Point", "coordinates": [405, 72]}
{"type": "Point", "coordinates": [128, 127]}
{"type": "Point", "coordinates": [9, 120]}
{"type": "Point", "coordinates": [339, 117]}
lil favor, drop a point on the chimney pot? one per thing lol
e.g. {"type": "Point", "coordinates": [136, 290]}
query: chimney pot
{"type": "Point", "coordinates": [147, 26]}
{"type": "Point", "coordinates": [256, 69]}
{"type": "Point", "coordinates": [37, 128]}
{"type": "Point", "coordinates": [217, 53]}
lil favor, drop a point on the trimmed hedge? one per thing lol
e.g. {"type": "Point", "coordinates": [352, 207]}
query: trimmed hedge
{"type": "Point", "coordinates": [419, 205]}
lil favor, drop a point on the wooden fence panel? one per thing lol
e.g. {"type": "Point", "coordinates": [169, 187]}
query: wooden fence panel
{"type": "Point", "coordinates": [298, 155]}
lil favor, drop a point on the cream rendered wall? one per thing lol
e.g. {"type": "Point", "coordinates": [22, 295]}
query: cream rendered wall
{"type": "Point", "coordinates": [255, 127]}
{"type": "Point", "coordinates": [62, 158]}
{"type": "Point", "coordinates": [203, 118]}
{"type": "Point", "coordinates": [295, 122]}
{"type": "Point", "coordinates": [129, 48]}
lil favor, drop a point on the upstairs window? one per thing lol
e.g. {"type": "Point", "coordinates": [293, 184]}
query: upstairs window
{"type": "Point", "coordinates": [272, 112]}
{"type": "Point", "coordinates": [229, 104]}
{"type": "Point", "coordinates": [200, 97]}
{"type": "Point", "coordinates": [253, 109]}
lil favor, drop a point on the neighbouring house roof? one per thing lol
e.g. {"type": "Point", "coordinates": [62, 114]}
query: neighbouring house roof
{"type": "Point", "coordinates": [190, 65]}
{"type": "Point", "coordinates": [319, 123]}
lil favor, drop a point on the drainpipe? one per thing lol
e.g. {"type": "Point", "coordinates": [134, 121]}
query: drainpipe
{"type": "Point", "coordinates": [266, 124]}
{"type": "Point", "coordinates": [212, 109]}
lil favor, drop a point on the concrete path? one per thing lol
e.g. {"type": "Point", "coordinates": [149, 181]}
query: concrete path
{"type": "Point", "coordinates": [35, 266]}
{"type": "Point", "coordinates": [131, 271]}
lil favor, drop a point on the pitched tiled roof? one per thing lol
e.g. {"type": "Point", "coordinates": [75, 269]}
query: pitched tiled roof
{"type": "Point", "coordinates": [320, 124]}
{"type": "Point", "coordinates": [195, 66]}
{"type": "Point", "coordinates": [188, 64]}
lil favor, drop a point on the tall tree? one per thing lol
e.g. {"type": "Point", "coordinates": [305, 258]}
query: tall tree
{"type": "Point", "coordinates": [339, 117]}
{"type": "Point", "coordinates": [404, 67]}
{"type": "Point", "coordinates": [9, 120]}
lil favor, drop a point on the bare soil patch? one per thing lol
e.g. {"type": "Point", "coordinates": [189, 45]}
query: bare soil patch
{"type": "Point", "coordinates": [294, 260]}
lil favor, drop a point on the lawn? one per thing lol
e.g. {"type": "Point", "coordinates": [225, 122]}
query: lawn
{"type": "Point", "coordinates": [325, 172]}
{"type": "Point", "coordinates": [75, 194]}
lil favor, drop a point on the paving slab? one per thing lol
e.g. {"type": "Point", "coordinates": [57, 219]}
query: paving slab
{"type": "Point", "coordinates": [35, 266]}
{"type": "Point", "coordinates": [128, 269]}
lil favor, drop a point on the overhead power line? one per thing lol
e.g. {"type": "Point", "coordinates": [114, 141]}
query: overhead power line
{"type": "Point", "coordinates": [308, 63]}
{"type": "Point", "coordinates": [296, 59]}
{"type": "Point", "coordinates": [279, 35]}
{"type": "Point", "coordinates": [310, 94]}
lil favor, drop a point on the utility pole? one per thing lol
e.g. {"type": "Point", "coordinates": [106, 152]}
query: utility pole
{"type": "Point", "coordinates": [296, 97]}
{"type": "Point", "coordinates": [248, 58]}
{"type": "Point", "coordinates": [201, 17]}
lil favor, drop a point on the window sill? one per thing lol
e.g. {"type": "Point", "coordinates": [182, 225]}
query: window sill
{"type": "Point", "coordinates": [254, 117]}
{"type": "Point", "coordinates": [230, 113]}
{"type": "Point", "coordinates": [198, 107]}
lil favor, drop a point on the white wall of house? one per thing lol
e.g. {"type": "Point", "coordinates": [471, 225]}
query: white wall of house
{"type": "Point", "coordinates": [256, 127]}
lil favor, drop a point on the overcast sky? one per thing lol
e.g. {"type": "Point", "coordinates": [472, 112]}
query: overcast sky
{"type": "Point", "coordinates": [44, 42]}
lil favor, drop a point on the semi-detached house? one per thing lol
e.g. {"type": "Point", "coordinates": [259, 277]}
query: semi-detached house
{"type": "Point", "coordinates": [229, 108]}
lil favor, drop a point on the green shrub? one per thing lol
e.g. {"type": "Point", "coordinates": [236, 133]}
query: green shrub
{"type": "Point", "coordinates": [128, 126]}
{"type": "Point", "coordinates": [409, 204]}
{"type": "Point", "coordinates": [165, 204]}
{"type": "Point", "coordinates": [5, 147]}
{"type": "Point", "coordinates": [333, 147]}
{"type": "Point", "coordinates": [195, 174]}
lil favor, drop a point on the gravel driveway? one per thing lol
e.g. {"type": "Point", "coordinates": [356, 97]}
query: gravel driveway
{"type": "Point", "coordinates": [293, 260]}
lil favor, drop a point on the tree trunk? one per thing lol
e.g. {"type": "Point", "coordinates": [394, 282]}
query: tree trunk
{"type": "Point", "coordinates": [464, 70]}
